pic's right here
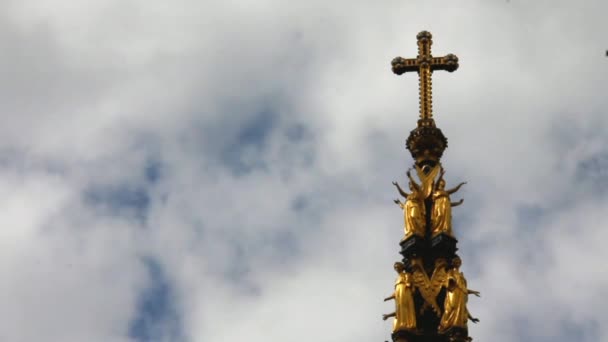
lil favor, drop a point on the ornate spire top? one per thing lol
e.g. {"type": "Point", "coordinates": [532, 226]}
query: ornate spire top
{"type": "Point", "coordinates": [424, 64]}
{"type": "Point", "coordinates": [426, 142]}
{"type": "Point", "coordinates": [430, 293]}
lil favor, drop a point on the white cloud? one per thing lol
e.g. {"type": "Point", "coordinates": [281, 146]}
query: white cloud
{"type": "Point", "coordinates": [93, 92]}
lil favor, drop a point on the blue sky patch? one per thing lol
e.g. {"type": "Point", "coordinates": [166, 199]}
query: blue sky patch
{"type": "Point", "coordinates": [593, 171]}
{"type": "Point", "coordinates": [156, 318]}
{"type": "Point", "coordinates": [153, 171]}
{"type": "Point", "coordinates": [250, 140]}
{"type": "Point", "coordinates": [256, 131]}
{"type": "Point", "coordinates": [119, 200]}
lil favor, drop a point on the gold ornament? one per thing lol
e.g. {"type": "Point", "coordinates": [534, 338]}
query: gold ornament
{"type": "Point", "coordinates": [405, 314]}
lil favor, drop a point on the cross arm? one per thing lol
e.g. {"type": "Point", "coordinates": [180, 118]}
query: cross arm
{"type": "Point", "coordinates": [402, 65]}
{"type": "Point", "coordinates": [447, 63]}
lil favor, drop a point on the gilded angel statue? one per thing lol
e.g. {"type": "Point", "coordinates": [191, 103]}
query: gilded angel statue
{"type": "Point", "coordinates": [413, 209]}
{"type": "Point", "coordinates": [405, 314]}
{"type": "Point", "coordinates": [455, 312]}
{"type": "Point", "coordinates": [441, 215]}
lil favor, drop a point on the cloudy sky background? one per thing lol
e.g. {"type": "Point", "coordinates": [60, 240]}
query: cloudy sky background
{"type": "Point", "coordinates": [195, 171]}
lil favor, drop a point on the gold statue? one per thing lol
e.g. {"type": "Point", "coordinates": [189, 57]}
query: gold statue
{"type": "Point", "coordinates": [405, 314]}
{"type": "Point", "coordinates": [414, 211]}
{"type": "Point", "coordinates": [441, 215]}
{"type": "Point", "coordinates": [455, 313]}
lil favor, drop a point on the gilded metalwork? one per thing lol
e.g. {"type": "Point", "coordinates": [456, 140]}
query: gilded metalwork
{"type": "Point", "coordinates": [424, 64]}
{"type": "Point", "coordinates": [455, 312]}
{"type": "Point", "coordinates": [426, 142]}
{"type": "Point", "coordinates": [428, 288]}
{"type": "Point", "coordinates": [431, 293]}
{"type": "Point", "coordinates": [405, 313]}
{"type": "Point", "coordinates": [441, 216]}
{"type": "Point", "coordinates": [437, 282]}
{"type": "Point", "coordinates": [414, 209]}
{"type": "Point", "coordinates": [427, 178]}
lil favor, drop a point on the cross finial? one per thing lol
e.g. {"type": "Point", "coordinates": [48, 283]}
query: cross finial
{"type": "Point", "coordinates": [425, 64]}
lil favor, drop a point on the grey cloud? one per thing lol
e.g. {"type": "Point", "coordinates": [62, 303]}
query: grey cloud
{"type": "Point", "coordinates": [289, 226]}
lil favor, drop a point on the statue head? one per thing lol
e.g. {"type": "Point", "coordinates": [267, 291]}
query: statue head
{"type": "Point", "coordinates": [441, 184]}
{"type": "Point", "coordinates": [456, 262]}
{"type": "Point", "coordinates": [416, 262]}
{"type": "Point", "coordinates": [399, 267]}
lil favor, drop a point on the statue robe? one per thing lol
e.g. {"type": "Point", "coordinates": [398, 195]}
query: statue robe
{"type": "Point", "coordinates": [441, 216]}
{"type": "Point", "coordinates": [405, 314]}
{"type": "Point", "coordinates": [455, 313]}
{"type": "Point", "coordinates": [414, 213]}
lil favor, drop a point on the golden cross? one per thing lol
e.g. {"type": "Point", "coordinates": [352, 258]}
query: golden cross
{"type": "Point", "coordinates": [425, 64]}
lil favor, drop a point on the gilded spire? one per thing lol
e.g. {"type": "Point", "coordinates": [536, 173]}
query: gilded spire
{"type": "Point", "coordinates": [430, 293]}
{"type": "Point", "coordinates": [426, 142]}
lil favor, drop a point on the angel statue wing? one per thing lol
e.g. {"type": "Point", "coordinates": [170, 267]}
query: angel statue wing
{"type": "Point", "coordinates": [438, 280]}
{"type": "Point", "coordinates": [424, 286]}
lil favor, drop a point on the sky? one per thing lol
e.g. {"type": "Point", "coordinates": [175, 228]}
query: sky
{"type": "Point", "coordinates": [191, 171]}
